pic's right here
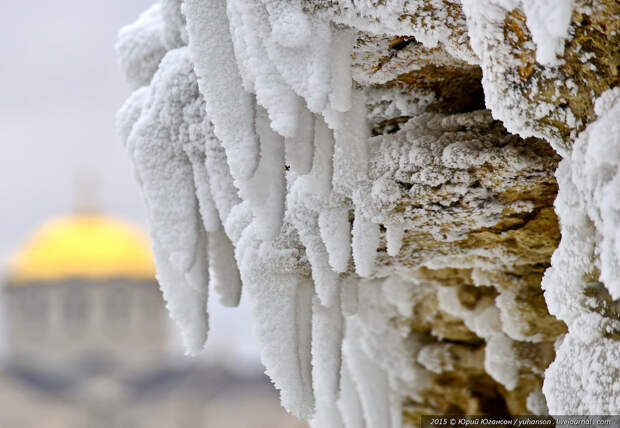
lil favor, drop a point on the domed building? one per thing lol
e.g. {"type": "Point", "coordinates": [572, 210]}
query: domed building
{"type": "Point", "coordinates": [83, 287]}
{"type": "Point", "coordinates": [87, 341]}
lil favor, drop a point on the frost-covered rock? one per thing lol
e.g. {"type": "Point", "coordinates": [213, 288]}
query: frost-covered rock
{"type": "Point", "coordinates": [334, 161]}
{"type": "Point", "coordinates": [545, 62]}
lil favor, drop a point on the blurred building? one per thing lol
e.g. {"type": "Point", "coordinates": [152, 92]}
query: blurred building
{"type": "Point", "coordinates": [86, 341]}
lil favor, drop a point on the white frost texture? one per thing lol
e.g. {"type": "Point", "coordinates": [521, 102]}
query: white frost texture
{"type": "Point", "coordinates": [252, 146]}
{"type": "Point", "coordinates": [585, 377]}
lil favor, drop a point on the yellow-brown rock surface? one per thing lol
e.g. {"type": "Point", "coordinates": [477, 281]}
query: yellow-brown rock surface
{"type": "Point", "coordinates": [503, 257]}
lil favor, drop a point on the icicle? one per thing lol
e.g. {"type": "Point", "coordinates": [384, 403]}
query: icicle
{"type": "Point", "coordinates": [371, 380]}
{"type": "Point", "coordinates": [306, 222]}
{"type": "Point", "coordinates": [303, 341]}
{"type": "Point", "coordinates": [336, 234]}
{"type": "Point", "coordinates": [326, 362]}
{"type": "Point", "coordinates": [281, 304]}
{"type": "Point", "coordinates": [340, 61]}
{"type": "Point", "coordinates": [322, 167]}
{"type": "Point", "coordinates": [365, 243]}
{"type": "Point", "coordinates": [168, 118]}
{"type": "Point", "coordinates": [304, 68]}
{"type": "Point", "coordinates": [325, 279]}
{"type": "Point", "coordinates": [308, 195]}
{"type": "Point", "coordinates": [351, 145]}
{"type": "Point", "coordinates": [208, 212]}
{"type": "Point", "coordinates": [224, 272]}
{"type": "Point", "coordinates": [349, 295]}
{"type": "Point", "coordinates": [289, 25]}
{"type": "Point", "coordinates": [197, 276]}
{"type": "Point", "coordinates": [272, 92]}
{"type": "Point", "coordinates": [394, 236]}
{"type": "Point", "coordinates": [300, 148]}
{"type": "Point", "coordinates": [221, 184]}
{"type": "Point", "coordinates": [238, 220]}
{"type": "Point", "coordinates": [186, 295]}
{"type": "Point", "coordinates": [267, 189]}
{"type": "Point", "coordinates": [242, 53]}
{"type": "Point", "coordinates": [349, 401]}
{"type": "Point", "coordinates": [156, 147]}
{"type": "Point", "coordinates": [230, 108]}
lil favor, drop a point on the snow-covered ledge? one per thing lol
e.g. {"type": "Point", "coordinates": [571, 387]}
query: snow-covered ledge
{"type": "Point", "coordinates": [334, 162]}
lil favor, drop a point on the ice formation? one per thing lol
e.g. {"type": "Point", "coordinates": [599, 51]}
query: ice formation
{"type": "Point", "coordinates": [249, 129]}
{"type": "Point", "coordinates": [584, 376]}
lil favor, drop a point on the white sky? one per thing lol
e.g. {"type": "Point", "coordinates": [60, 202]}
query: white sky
{"type": "Point", "coordinates": [60, 87]}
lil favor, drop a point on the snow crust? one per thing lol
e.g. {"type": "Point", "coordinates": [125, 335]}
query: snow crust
{"type": "Point", "coordinates": [584, 376]}
{"type": "Point", "coordinates": [251, 143]}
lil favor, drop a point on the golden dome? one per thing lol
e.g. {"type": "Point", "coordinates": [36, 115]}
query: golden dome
{"type": "Point", "coordinates": [85, 246]}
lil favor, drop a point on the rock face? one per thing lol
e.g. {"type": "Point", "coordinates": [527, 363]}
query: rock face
{"type": "Point", "coordinates": [477, 203]}
{"type": "Point", "coordinates": [500, 264]}
{"type": "Point", "coordinates": [556, 102]}
{"type": "Point", "coordinates": [383, 175]}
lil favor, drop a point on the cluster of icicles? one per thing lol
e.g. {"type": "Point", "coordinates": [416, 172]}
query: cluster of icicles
{"type": "Point", "coordinates": [250, 145]}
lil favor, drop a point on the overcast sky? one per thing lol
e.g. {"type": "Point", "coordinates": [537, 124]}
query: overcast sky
{"type": "Point", "coordinates": [60, 87]}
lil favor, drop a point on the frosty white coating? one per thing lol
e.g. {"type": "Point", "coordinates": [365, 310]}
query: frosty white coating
{"type": "Point", "coordinates": [251, 143]}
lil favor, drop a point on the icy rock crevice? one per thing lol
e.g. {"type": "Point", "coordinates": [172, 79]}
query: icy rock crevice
{"type": "Point", "coordinates": [315, 154]}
